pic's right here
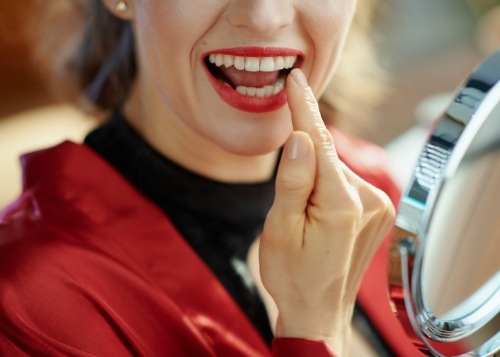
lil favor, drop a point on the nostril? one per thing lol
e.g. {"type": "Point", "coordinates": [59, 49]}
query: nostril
{"type": "Point", "coordinates": [260, 16]}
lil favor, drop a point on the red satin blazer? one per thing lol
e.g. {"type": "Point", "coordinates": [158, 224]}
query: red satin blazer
{"type": "Point", "coordinates": [88, 266]}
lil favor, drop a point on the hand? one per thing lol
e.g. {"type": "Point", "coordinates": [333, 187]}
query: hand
{"type": "Point", "coordinates": [321, 232]}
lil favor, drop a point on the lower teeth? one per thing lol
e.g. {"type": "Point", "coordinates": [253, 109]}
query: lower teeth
{"type": "Point", "coordinates": [263, 92]}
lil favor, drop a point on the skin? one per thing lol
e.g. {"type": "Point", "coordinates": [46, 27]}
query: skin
{"type": "Point", "coordinates": [326, 222]}
{"type": "Point", "coordinates": [325, 225]}
{"type": "Point", "coordinates": [175, 107]}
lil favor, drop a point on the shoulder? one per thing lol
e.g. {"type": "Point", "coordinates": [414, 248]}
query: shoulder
{"type": "Point", "coordinates": [72, 270]}
{"type": "Point", "coordinates": [53, 239]}
{"type": "Point", "coordinates": [44, 305]}
{"type": "Point", "coordinates": [64, 293]}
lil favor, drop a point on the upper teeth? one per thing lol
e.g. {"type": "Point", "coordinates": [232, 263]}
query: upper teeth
{"type": "Point", "coordinates": [253, 64]}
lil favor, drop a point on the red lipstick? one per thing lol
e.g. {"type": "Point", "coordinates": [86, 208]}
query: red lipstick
{"type": "Point", "coordinates": [245, 102]}
{"type": "Point", "coordinates": [256, 52]}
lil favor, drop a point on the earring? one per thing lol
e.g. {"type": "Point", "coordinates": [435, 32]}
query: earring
{"type": "Point", "coordinates": [121, 6]}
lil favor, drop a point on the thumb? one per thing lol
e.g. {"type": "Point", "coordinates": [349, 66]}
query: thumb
{"type": "Point", "coordinates": [296, 175]}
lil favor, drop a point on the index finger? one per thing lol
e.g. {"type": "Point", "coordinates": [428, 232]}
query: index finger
{"type": "Point", "coordinates": [307, 117]}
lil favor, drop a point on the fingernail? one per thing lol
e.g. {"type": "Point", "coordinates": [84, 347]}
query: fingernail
{"type": "Point", "coordinates": [297, 146]}
{"type": "Point", "coordinates": [299, 78]}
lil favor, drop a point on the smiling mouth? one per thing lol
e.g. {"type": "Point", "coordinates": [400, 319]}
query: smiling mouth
{"type": "Point", "coordinates": [260, 77]}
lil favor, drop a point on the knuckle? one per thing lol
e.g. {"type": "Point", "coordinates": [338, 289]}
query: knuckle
{"type": "Point", "coordinates": [354, 198]}
{"type": "Point", "coordinates": [320, 132]}
{"type": "Point", "coordinates": [310, 100]}
{"type": "Point", "coordinates": [292, 182]}
{"type": "Point", "coordinates": [353, 208]}
{"type": "Point", "coordinates": [370, 205]}
{"type": "Point", "coordinates": [389, 212]}
{"type": "Point", "coordinates": [322, 136]}
{"type": "Point", "coordinates": [381, 207]}
{"type": "Point", "coordinates": [384, 204]}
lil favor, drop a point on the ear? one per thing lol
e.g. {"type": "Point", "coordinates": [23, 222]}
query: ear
{"type": "Point", "coordinates": [120, 8]}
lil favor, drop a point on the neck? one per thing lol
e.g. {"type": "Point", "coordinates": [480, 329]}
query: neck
{"type": "Point", "coordinates": [175, 140]}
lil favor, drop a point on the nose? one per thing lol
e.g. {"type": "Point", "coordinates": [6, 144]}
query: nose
{"type": "Point", "coordinates": [261, 16]}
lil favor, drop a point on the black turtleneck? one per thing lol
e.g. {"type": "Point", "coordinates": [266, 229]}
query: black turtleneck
{"type": "Point", "coordinates": [219, 220]}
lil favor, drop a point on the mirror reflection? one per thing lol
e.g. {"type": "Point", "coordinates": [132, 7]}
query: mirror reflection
{"type": "Point", "coordinates": [461, 269]}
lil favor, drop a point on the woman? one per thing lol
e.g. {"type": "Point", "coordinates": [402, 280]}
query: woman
{"type": "Point", "coordinates": [137, 242]}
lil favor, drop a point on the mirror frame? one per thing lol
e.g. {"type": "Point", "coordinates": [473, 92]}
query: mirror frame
{"type": "Point", "coordinates": [437, 163]}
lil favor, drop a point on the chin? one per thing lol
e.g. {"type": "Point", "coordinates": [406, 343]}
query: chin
{"type": "Point", "coordinates": [256, 150]}
{"type": "Point", "coordinates": [256, 145]}
{"type": "Point", "coordinates": [247, 134]}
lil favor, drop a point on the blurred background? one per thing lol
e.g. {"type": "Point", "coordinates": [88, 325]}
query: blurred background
{"type": "Point", "coordinates": [428, 47]}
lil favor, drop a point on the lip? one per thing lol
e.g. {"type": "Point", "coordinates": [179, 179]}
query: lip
{"type": "Point", "coordinates": [244, 102]}
{"type": "Point", "coordinates": [256, 52]}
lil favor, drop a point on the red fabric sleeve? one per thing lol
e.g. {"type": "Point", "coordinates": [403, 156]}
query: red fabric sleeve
{"type": "Point", "coordinates": [298, 347]}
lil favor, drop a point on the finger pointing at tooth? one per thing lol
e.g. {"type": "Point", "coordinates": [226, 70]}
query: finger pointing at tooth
{"type": "Point", "coordinates": [322, 230]}
{"type": "Point", "coordinates": [307, 117]}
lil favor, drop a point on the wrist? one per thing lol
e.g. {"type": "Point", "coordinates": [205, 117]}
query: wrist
{"type": "Point", "coordinates": [301, 348]}
{"type": "Point", "coordinates": [335, 331]}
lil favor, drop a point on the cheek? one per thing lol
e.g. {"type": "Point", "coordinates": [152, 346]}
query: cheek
{"type": "Point", "coordinates": [327, 23]}
{"type": "Point", "coordinates": [163, 25]}
{"type": "Point", "coordinates": [174, 21]}
{"type": "Point", "coordinates": [328, 19]}
{"type": "Point", "coordinates": [167, 31]}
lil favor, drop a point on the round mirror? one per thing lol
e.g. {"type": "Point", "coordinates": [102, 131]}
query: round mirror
{"type": "Point", "coordinates": [444, 268]}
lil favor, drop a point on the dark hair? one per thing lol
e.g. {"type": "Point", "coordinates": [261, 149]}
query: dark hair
{"type": "Point", "coordinates": [96, 58]}
{"type": "Point", "coordinates": [100, 62]}
{"type": "Point", "coordinates": [105, 60]}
